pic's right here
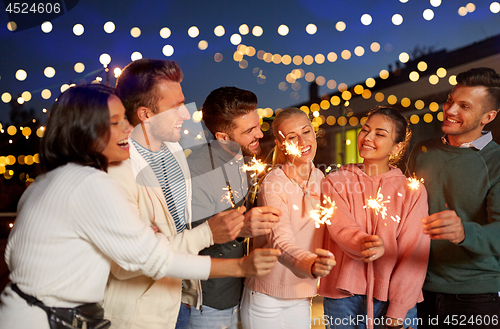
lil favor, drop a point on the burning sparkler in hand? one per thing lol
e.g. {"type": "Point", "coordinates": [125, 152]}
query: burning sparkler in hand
{"type": "Point", "coordinates": [229, 196]}
{"type": "Point", "coordinates": [378, 204]}
{"type": "Point", "coordinates": [324, 213]}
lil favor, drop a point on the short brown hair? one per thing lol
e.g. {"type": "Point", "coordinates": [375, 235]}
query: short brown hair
{"type": "Point", "coordinates": [225, 104]}
{"type": "Point", "coordinates": [136, 85]}
{"type": "Point", "coordinates": [486, 77]}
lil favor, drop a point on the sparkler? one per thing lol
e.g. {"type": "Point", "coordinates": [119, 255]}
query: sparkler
{"type": "Point", "coordinates": [291, 148]}
{"type": "Point", "coordinates": [255, 165]}
{"type": "Point", "coordinates": [229, 196]}
{"type": "Point", "coordinates": [378, 204]}
{"type": "Point", "coordinates": [324, 213]}
{"type": "Point", "coordinates": [414, 183]}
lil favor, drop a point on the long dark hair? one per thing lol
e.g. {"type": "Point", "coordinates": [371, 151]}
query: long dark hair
{"type": "Point", "coordinates": [78, 128]}
{"type": "Point", "coordinates": [402, 129]}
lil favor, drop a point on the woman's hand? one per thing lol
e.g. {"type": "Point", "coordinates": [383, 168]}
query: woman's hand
{"type": "Point", "coordinates": [372, 248]}
{"type": "Point", "coordinates": [323, 263]}
{"type": "Point", "coordinates": [258, 262]}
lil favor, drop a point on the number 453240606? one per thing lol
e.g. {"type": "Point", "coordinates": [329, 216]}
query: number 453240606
{"type": "Point", "coordinates": [36, 8]}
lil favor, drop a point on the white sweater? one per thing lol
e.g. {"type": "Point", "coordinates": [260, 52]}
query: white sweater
{"type": "Point", "coordinates": [71, 223]}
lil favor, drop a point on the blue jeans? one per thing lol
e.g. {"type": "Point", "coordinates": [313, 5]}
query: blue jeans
{"type": "Point", "coordinates": [183, 318]}
{"type": "Point", "coordinates": [350, 313]}
{"type": "Point", "coordinates": [211, 318]}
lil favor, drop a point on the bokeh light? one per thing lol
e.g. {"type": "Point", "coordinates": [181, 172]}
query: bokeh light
{"type": "Point", "coordinates": [46, 94]}
{"type": "Point", "coordinates": [340, 26]}
{"type": "Point", "coordinates": [359, 51]}
{"type": "Point", "coordinates": [345, 54]}
{"type": "Point", "coordinates": [495, 7]}
{"type": "Point", "coordinates": [384, 74]}
{"type": "Point", "coordinates": [435, 3]}
{"type": "Point", "coordinates": [414, 119]}
{"type": "Point", "coordinates": [6, 97]}
{"type": "Point", "coordinates": [428, 14]}
{"type": "Point", "coordinates": [203, 45]}
{"type": "Point", "coordinates": [257, 31]}
{"type": "Point", "coordinates": [414, 76]}
{"type": "Point", "coordinates": [79, 67]}
{"type": "Point", "coordinates": [244, 29]}
{"type": "Point", "coordinates": [78, 29]}
{"type": "Point", "coordinates": [21, 75]}
{"type": "Point", "coordinates": [433, 79]}
{"type": "Point", "coordinates": [26, 96]}
{"type": "Point", "coordinates": [441, 72]}
{"type": "Point", "coordinates": [235, 39]}
{"type": "Point", "coordinates": [135, 56]}
{"type": "Point", "coordinates": [311, 29]}
{"type": "Point", "coordinates": [404, 57]}
{"type": "Point", "coordinates": [283, 30]}
{"type": "Point", "coordinates": [397, 19]}
{"type": "Point", "coordinates": [168, 50]}
{"type": "Point", "coordinates": [219, 31]}
{"type": "Point", "coordinates": [332, 57]}
{"type": "Point", "coordinates": [366, 19]}
{"type": "Point", "coordinates": [109, 27]}
{"type": "Point", "coordinates": [165, 32]}
{"type": "Point", "coordinates": [46, 27]}
{"type": "Point", "coordinates": [105, 59]}
{"type": "Point", "coordinates": [49, 72]}
{"type": "Point", "coordinates": [135, 32]}
{"type": "Point", "coordinates": [375, 47]}
{"type": "Point", "coordinates": [452, 80]}
{"type": "Point", "coordinates": [193, 32]}
{"type": "Point", "coordinates": [11, 26]}
{"type": "Point", "coordinates": [422, 66]}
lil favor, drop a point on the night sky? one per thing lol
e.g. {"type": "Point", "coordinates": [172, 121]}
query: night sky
{"type": "Point", "coordinates": [33, 50]}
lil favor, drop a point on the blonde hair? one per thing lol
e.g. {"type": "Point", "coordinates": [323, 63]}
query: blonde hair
{"type": "Point", "coordinates": [279, 156]}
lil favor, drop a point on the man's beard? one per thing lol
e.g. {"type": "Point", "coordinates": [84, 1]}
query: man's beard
{"type": "Point", "coordinates": [245, 150]}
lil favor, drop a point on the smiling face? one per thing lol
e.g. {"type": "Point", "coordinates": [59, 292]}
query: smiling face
{"type": "Point", "coordinates": [465, 114]}
{"type": "Point", "coordinates": [246, 132]}
{"type": "Point", "coordinates": [298, 130]}
{"type": "Point", "coordinates": [376, 141]}
{"type": "Point", "coordinates": [166, 123]}
{"type": "Point", "coordinates": [117, 147]}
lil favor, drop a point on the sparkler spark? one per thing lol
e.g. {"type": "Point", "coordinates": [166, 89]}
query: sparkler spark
{"type": "Point", "coordinates": [229, 195]}
{"type": "Point", "coordinates": [397, 219]}
{"type": "Point", "coordinates": [414, 183]}
{"type": "Point", "coordinates": [324, 213]}
{"type": "Point", "coordinates": [378, 204]}
{"type": "Point", "coordinates": [292, 148]}
{"type": "Point", "coordinates": [254, 165]}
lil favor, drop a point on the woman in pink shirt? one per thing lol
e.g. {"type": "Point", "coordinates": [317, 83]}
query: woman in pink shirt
{"type": "Point", "coordinates": [376, 232]}
{"type": "Point", "coordinates": [282, 298]}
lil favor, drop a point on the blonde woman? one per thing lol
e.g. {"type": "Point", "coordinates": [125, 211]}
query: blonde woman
{"type": "Point", "coordinates": [282, 298]}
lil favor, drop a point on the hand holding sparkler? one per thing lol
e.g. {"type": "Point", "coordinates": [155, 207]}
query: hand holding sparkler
{"type": "Point", "coordinates": [372, 248]}
{"type": "Point", "coordinates": [323, 263]}
{"type": "Point", "coordinates": [444, 225]}
{"type": "Point", "coordinates": [259, 221]}
{"type": "Point", "coordinates": [227, 225]}
{"type": "Point", "coordinates": [258, 262]}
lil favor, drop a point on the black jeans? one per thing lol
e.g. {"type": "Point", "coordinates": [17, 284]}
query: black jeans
{"type": "Point", "coordinates": [459, 311]}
